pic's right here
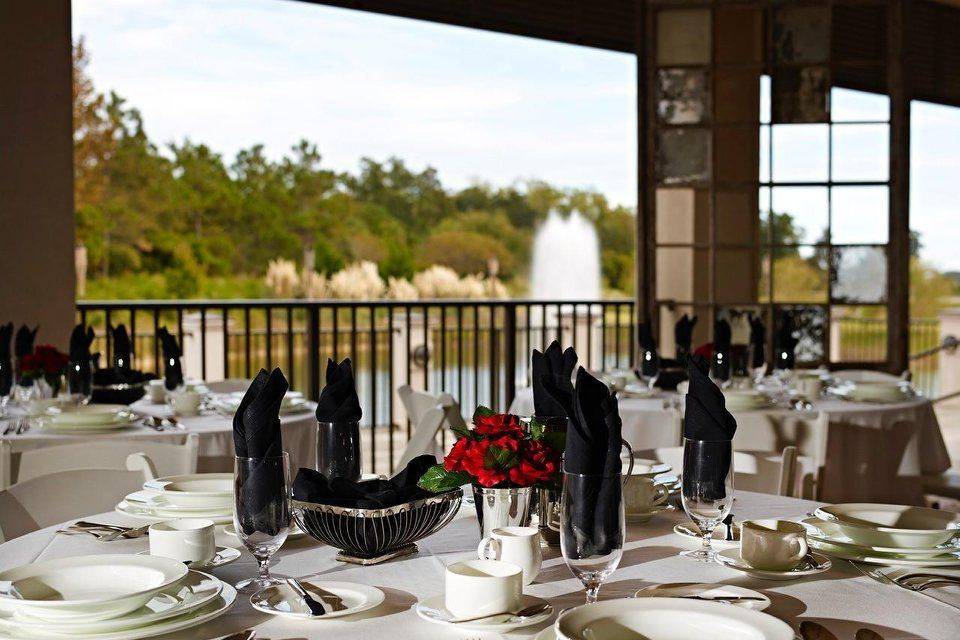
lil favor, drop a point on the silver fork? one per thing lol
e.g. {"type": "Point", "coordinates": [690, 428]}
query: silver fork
{"type": "Point", "coordinates": [879, 576]}
{"type": "Point", "coordinates": [921, 582]}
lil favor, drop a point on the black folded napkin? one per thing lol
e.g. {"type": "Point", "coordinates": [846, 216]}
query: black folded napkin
{"type": "Point", "coordinates": [785, 356]}
{"type": "Point", "coordinates": [552, 374]}
{"type": "Point", "coordinates": [706, 418]}
{"type": "Point", "coordinates": [80, 368]}
{"type": "Point", "coordinates": [313, 486]}
{"type": "Point", "coordinates": [758, 342]}
{"type": "Point", "coordinates": [6, 362]}
{"type": "Point", "coordinates": [338, 401]}
{"type": "Point", "coordinates": [683, 337]}
{"type": "Point", "coordinates": [257, 435]}
{"type": "Point", "coordinates": [720, 365]}
{"type": "Point", "coordinates": [122, 349]}
{"type": "Point", "coordinates": [23, 343]}
{"type": "Point", "coordinates": [172, 367]}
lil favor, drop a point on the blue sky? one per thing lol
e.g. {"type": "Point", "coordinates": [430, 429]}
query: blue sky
{"type": "Point", "coordinates": [475, 105]}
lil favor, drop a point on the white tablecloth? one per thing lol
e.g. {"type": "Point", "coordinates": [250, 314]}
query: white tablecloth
{"type": "Point", "coordinates": [868, 452]}
{"type": "Point", "coordinates": [215, 431]}
{"type": "Point", "coordinates": [841, 599]}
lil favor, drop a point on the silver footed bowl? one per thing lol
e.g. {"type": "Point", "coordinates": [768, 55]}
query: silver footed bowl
{"type": "Point", "coordinates": [369, 536]}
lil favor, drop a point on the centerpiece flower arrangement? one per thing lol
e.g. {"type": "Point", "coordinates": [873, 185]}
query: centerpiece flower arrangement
{"type": "Point", "coordinates": [46, 363]}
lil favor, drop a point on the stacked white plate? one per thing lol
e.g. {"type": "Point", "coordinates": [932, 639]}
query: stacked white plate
{"type": "Point", "coordinates": [886, 534]}
{"type": "Point", "coordinates": [91, 417]}
{"type": "Point", "coordinates": [745, 399]}
{"type": "Point", "coordinates": [293, 402]}
{"type": "Point", "coordinates": [109, 597]}
{"type": "Point", "coordinates": [877, 391]}
{"type": "Point", "coordinates": [197, 495]}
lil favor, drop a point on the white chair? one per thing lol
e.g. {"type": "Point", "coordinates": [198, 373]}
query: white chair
{"type": "Point", "coordinates": [429, 413]}
{"type": "Point", "coordinates": [230, 385]}
{"type": "Point", "coordinates": [57, 497]}
{"type": "Point", "coordinates": [868, 375]}
{"type": "Point", "coordinates": [152, 459]}
{"type": "Point", "coordinates": [760, 471]}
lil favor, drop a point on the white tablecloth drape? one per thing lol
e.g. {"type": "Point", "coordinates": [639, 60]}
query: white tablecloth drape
{"type": "Point", "coordinates": [868, 452]}
{"type": "Point", "coordinates": [841, 599]}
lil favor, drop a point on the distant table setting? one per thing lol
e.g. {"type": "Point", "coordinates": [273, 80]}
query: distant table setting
{"type": "Point", "coordinates": [545, 526]}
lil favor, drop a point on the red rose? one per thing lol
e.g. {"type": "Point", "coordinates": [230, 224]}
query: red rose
{"type": "Point", "coordinates": [538, 464]}
{"type": "Point", "coordinates": [473, 458]}
{"type": "Point", "coordinates": [454, 460]}
{"type": "Point", "coordinates": [497, 423]}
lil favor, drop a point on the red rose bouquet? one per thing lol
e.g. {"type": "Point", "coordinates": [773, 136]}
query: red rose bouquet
{"type": "Point", "coordinates": [45, 362]}
{"type": "Point", "coordinates": [500, 450]}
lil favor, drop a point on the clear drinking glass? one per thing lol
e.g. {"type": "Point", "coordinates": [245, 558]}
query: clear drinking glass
{"type": "Point", "coordinates": [707, 493]}
{"type": "Point", "coordinates": [261, 515]}
{"type": "Point", "coordinates": [592, 528]}
{"type": "Point", "coordinates": [649, 369]}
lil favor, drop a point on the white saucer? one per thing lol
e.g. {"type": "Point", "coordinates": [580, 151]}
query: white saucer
{"type": "Point", "coordinates": [717, 539]}
{"type": "Point", "coordinates": [641, 517]}
{"type": "Point", "coordinates": [294, 532]}
{"type": "Point", "coordinates": [433, 610]}
{"type": "Point", "coordinates": [845, 553]}
{"type": "Point", "coordinates": [731, 558]}
{"type": "Point", "coordinates": [224, 555]}
{"type": "Point", "coordinates": [707, 590]}
{"type": "Point", "coordinates": [150, 514]}
{"type": "Point", "coordinates": [283, 601]}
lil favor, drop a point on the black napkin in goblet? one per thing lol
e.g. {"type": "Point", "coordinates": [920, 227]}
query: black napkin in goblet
{"type": "Point", "coordinates": [758, 341]}
{"type": "Point", "coordinates": [338, 424]}
{"type": "Point", "coordinates": [785, 353]}
{"type": "Point", "coordinates": [23, 343]}
{"type": "Point", "coordinates": [6, 362]}
{"type": "Point", "coordinates": [122, 349]}
{"type": "Point", "coordinates": [313, 486]}
{"type": "Point", "coordinates": [80, 373]}
{"type": "Point", "coordinates": [683, 337]}
{"type": "Point", "coordinates": [593, 449]}
{"type": "Point", "coordinates": [552, 380]}
{"type": "Point", "coordinates": [649, 367]}
{"type": "Point", "coordinates": [172, 367]}
{"type": "Point", "coordinates": [706, 418]}
{"type": "Point", "coordinates": [720, 365]}
{"type": "Point", "coordinates": [257, 435]}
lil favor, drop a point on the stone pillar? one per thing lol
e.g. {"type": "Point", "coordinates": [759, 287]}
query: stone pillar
{"type": "Point", "coordinates": [36, 168]}
{"type": "Point", "coordinates": [193, 350]}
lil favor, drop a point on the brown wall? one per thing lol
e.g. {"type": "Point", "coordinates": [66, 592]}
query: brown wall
{"type": "Point", "coordinates": [36, 167]}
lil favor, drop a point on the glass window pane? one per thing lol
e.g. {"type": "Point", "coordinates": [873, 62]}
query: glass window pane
{"type": "Point", "coordinates": [800, 153]}
{"type": "Point", "coordinates": [799, 274]}
{"type": "Point", "coordinates": [763, 286]}
{"type": "Point", "coordinates": [801, 34]}
{"type": "Point", "coordinates": [858, 274]}
{"type": "Point", "coordinates": [764, 98]}
{"type": "Point", "coordinates": [808, 327]}
{"type": "Point", "coordinates": [683, 37]}
{"type": "Point", "coordinates": [801, 95]}
{"type": "Point", "coordinates": [683, 96]}
{"type": "Point", "coordinates": [801, 215]}
{"type": "Point", "coordinates": [858, 334]}
{"type": "Point", "coordinates": [764, 202]}
{"type": "Point", "coordinates": [764, 153]}
{"type": "Point", "coordinates": [861, 152]}
{"type": "Point", "coordinates": [859, 215]}
{"type": "Point", "coordinates": [847, 104]}
{"type": "Point", "coordinates": [683, 155]}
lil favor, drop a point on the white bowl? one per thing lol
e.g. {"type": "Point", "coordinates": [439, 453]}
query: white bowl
{"type": "Point", "coordinates": [892, 525]}
{"type": "Point", "coordinates": [90, 414]}
{"type": "Point", "coordinates": [89, 588]}
{"type": "Point", "coordinates": [195, 489]}
{"type": "Point", "coordinates": [668, 619]}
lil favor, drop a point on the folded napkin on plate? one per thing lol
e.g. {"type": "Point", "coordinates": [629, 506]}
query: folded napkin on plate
{"type": "Point", "coordinates": [758, 342]}
{"type": "Point", "coordinates": [648, 366]}
{"type": "Point", "coordinates": [683, 337]}
{"type": "Point", "coordinates": [313, 486]}
{"type": "Point", "coordinates": [785, 356]}
{"type": "Point", "coordinates": [6, 362]}
{"type": "Point", "coordinates": [172, 368]}
{"type": "Point", "coordinates": [706, 418]}
{"type": "Point", "coordinates": [722, 336]}
{"type": "Point", "coordinates": [122, 350]}
{"type": "Point", "coordinates": [338, 401]}
{"type": "Point", "coordinates": [256, 434]}
{"type": "Point", "coordinates": [552, 373]}
{"type": "Point", "coordinates": [81, 370]}
{"type": "Point", "coordinates": [23, 343]}
{"type": "Point", "coordinates": [593, 448]}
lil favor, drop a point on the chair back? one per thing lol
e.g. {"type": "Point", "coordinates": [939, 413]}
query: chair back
{"type": "Point", "coordinates": [230, 385]}
{"type": "Point", "coordinates": [428, 413]}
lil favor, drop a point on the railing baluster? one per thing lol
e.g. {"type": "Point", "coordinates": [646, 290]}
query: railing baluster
{"type": "Point", "coordinates": [203, 343]}
{"type": "Point", "coordinates": [476, 354]}
{"type": "Point", "coordinates": [631, 338]}
{"type": "Point", "coordinates": [133, 337]}
{"type": "Point", "coordinates": [108, 334]}
{"type": "Point", "coordinates": [336, 334]}
{"type": "Point", "coordinates": [390, 382]}
{"type": "Point", "coordinates": [353, 333]}
{"type": "Point", "coordinates": [603, 337]}
{"type": "Point", "coordinates": [246, 340]}
{"type": "Point", "coordinates": [443, 367]}
{"type": "Point", "coordinates": [313, 346]}
{"type": "Point", "coordinates": [156, 343]}
{"type": "Point", "coordinates": [589, 336]}
{"type": "Point", "coordinates": [408, 357]}
{"type": "Point", "coordinates": [373, 389]}
{"type": "Point", "coordinates": [428, 356]}
{"type": "Point", "coordinates": [225, 314]}
{"type": "Point", "coordinates": [290, 358]}
{"type": "Point", "coordinates": [510, 354]}
{"type": "Point", "coordinates": [460, 354]}
{"type": "Point", "coordinates": [268, 312]}
{"type": "Point", "coordinates": [494, 364]}
{"type": "Point", "coordinates": [560, 324]}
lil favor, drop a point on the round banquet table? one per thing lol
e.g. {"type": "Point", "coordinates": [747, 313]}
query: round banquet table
{"type": "Point", "coordinates": [841, 599]}
{"type": "Point", "coordinates": [215, 432]}
{"type": "Point", "coordinates": [868, 452]}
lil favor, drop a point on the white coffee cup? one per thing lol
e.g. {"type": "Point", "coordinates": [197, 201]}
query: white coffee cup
{"type": "Point", "coordinates": [482, 588]}
{"type": "Point", "coordinates": [185, 403]}
{"type": "Point", "coordinates": [772, 545]}
{"type": "Point", "coordinates": [157, 391]}
{"type": "Point", "coordinates": [184, 539]}
{"type": "Point", "coordinates": [641, 494]}
{"type": "Point", "coordinates": [516, 545]}
{"type": "Point", "coordinates": [810, 386]}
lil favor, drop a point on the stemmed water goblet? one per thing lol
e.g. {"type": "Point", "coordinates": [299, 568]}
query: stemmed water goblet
{"type": "Point", "coordinates": [261, 515]}
{"type": "Point", "coordinates": [592, 528]}
{"type": "Point", "coordinates": [649, 369]}
{"type": "Point", "coordinates": [707, 494]}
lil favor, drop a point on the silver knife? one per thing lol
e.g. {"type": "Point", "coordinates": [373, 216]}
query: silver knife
{"type": "Point", "coordinates": [139, 532]}
{"type": "Point", "coordinates": [315, 607]}
{"type": "Point", "coordinates": [882, 578]}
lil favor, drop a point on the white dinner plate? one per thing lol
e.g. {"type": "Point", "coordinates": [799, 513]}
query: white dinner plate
{"type": "Point", "coordinates": [892, 525]}
{"type": "Point", "coordinates": [90, 414]}
{"type": "Point", "coordinates": [433, 610]}
{"type": "Point", "coordinates": [283, 601]}
{"type": "Point", "coordinates": [817, 563]}
{"type": "Point", "coordinates": [196, 590]}
{"type": "Point", "coordinates": [745, 399]}
{"type": "Point", "coordinates": [752, 599]}
{"type": "Point", "coordinates": [830, 532]}
{"type": "Point", "coordinates": [847, 553]}
{"type": "Point", "coordinates": [668, 619]}
{"type": "Point", "coordinates": [213, 609]}
{"type": "Point", "coordinates": [88, 588]}
{"type": "Point", "coordinates": [195, 489]}
{"type": "Point", "coordinates": [717, 538]}
{"type": "Point", "coordinates": [122, 422]}
{"type": "Point", "coordinates": [637, 390]}
{"type": "Point", "coordinates": [155, 500]}
{"type": "Point", "coordinates": [148, 514]}
{"type": "Point", "coordinates": [294, 532]}
{"type": "Point", "coordinates": [223, 556]}
{"type": "Point", "coordinates": [640, 517]}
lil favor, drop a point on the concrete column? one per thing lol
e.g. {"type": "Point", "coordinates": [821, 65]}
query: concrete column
{"type": "Point", "coordinates": [36, 168]}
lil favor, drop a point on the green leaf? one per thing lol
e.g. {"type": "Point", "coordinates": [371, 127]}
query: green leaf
{"type": "Point", "coordinates": [483, 411]}
{"type": "Point", "coordinates": [462, 430]}
{"type": "Point", "coordinates": [537, 429]}
{"type": "Point", "coordinates": [500, 458]}
{"type": "Point", "coordinates": [437, 479]}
